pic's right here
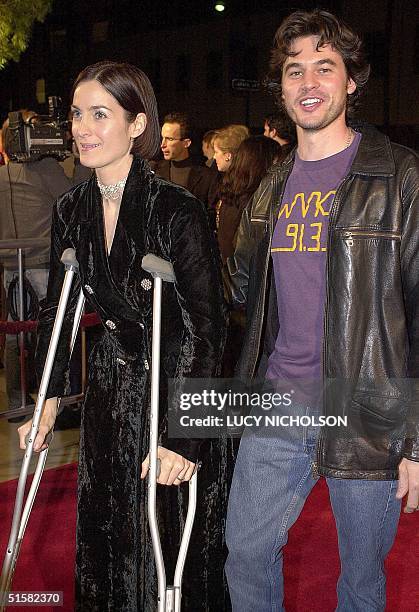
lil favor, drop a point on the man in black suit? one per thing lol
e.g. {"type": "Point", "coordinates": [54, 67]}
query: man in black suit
{"type": "Point", "coordinates": [179, 167]}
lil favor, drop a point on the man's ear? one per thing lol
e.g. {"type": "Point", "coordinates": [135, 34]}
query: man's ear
{"type": "Point", "coordinates": [187, 142]}
{"type": "Point", "coordinates": [138, 125]}
{"type": "Point", "coordinates": [351, 86]}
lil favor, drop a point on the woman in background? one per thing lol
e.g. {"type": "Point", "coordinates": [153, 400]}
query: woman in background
{"type": "Point", "coordinates": [248, 166]}
{"type": "Point", "coordinates": [226, 143]}
{"type": "Point", "coordinates": [253, 158]}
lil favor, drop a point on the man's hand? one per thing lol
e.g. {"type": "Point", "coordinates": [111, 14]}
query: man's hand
{"type": "Point", "coordinates": [174, 469]}
{"type": "Point", "coordinates": [409, 484]}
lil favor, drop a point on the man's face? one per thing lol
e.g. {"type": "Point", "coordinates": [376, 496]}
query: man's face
{"type": "Point", "coordinates": [315, 85]}
{"type": "Point", "coordinates": [173, 146]}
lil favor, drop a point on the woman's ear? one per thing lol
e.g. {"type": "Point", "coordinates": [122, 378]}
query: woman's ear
{"type": "Point", "coordinates": [138, 126]}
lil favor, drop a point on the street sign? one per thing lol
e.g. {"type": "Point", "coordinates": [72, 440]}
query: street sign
{"type": "Point", "coordinates": [245, 85]}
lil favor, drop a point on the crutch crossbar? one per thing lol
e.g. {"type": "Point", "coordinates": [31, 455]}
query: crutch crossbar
{"type": "Point", "coordinates": [169, 597]}
{"type": "Point", "coordinates": [20, 518]}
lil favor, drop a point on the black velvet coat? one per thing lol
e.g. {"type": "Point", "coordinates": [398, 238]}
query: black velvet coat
{"type": "Point", "coordinates": [115, 570]}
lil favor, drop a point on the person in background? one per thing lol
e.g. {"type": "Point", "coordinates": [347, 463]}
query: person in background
{"type": "Point", "coordinates": [226, 142]}
{"type": "Point", "coordinates": [279, 127]}
{"type": "Point", "coordinates": [27, 194]}
{"type": "Point", "coordinates": [179, 166]}
{"type": "Point", "coordinates": [249, 165]}
{"type": "Point", "coordinates": [207, 148]}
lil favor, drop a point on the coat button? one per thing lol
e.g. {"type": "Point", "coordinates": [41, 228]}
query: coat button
{"type": "Point", "coordinates": [147, 367]}
{"type": "Point", "coordinates": [88, 289]}
{"type": "Point", "coordinates": [110, 324]}
{"type": "Point", "coordinates": [142, 325]}
{"type": "Point", "coordinates": [146, 284]}
{"type": "Point", "coordinates": [121, 361]}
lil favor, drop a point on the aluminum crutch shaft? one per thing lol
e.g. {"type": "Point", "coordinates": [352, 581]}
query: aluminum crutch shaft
{"type": "Point", "coordinates": [169, 597]}
{"type": "Point", "coordinates": [20, 518]}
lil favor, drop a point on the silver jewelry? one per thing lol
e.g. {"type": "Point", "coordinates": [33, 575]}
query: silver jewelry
{"type": "Point", "coordinates": [350, 138]}
{"type": "Point", "coordinates": [146, 284]}
{"type": "Point", "coordinates": [112, 192]}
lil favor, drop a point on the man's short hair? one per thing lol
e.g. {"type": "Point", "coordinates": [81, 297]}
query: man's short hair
{"type": "Point", "coordinates": [331, 31]}
{"type": "Point", "coordinates": [183, 120]}
{"type": "Point", "coordinates": [282, 124]}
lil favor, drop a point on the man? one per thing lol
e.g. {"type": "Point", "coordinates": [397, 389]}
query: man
{"type": "Point", "coordinates": [27, 194]}
{"type": "Point", "coordinates": [179, 166]}
{"type": "Point", "coordinates": [207, 148]}
{"type": "Point", "coordinates": [280, 128]}
{"type": "Point", "coordinates": [329, 250]}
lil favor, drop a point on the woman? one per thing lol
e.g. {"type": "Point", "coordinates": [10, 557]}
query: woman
{"type": "Point", "coordinates": [112, 220]}
{"type": "Point", "coordinates": [226, 143]}
{"type": "Point", "coordinates": [249, 165]}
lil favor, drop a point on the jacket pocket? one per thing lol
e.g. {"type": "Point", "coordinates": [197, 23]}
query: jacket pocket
{"type": "Point", "coordinates": [349, 235]}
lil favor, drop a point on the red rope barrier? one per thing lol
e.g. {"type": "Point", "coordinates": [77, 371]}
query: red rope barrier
{"type": "Point", "coordinates": [15, 327]}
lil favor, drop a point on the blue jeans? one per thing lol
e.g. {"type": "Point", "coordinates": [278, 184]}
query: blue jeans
{"type": "Point", "coordinates": [272, 479]}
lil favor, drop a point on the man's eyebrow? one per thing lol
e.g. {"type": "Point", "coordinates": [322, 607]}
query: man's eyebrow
{"type": "Point", "coordinates": [320, 62]}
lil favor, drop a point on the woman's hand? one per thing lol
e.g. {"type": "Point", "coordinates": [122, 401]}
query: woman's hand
{"type": "Point", "coordinates": [49, 415]}
{"type": "Point", "coordinates": [174, 469]}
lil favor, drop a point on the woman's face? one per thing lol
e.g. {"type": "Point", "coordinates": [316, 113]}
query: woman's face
{"type": "Point", "coordinates": [222, 159]}
{"type": "Point", "coordinates": [101, 130]}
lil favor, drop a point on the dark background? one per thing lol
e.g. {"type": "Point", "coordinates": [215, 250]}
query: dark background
{"type": "Point", "coordinates": [191, 54]}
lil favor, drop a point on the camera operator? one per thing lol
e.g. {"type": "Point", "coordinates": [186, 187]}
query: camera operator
{"type": "Point", "coordinates": [28, 190]}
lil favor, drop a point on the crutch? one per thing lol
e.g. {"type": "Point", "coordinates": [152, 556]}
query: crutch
{"type": "Point", "coordinates": [169, 597]}
{"type": "Point", "coordinates": [20, 519]}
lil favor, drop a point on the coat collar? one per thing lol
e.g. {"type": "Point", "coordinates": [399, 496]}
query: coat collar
{"type": "Point", "coordinates": [373, 158]}
{"type": "Point", "coordinates": [137, 184]}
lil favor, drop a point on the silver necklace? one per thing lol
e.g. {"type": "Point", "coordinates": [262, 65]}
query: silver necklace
{"type": "Point", "coordinates": [350, 138]}
{"type": "Point", "coordinates": [112, 192]}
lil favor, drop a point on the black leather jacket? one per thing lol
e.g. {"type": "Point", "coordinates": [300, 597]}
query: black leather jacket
{"type": "Point", "coordinates": [371, 323]}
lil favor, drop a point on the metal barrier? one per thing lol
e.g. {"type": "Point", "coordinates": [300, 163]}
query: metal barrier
{"type": "Point", "coordinates": [23, 326]}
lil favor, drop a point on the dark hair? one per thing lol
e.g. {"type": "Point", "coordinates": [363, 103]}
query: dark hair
{"type": "Point", "coordinates": [282, 124]}
{"type": "Point", "coordinates": [132, 90]}
{"type": "Point", "coordinates": [330, 31]}
{"type": "Point", "coordinates": [249, 165]}
{"type": "Point", "coordinates": [183, 120]}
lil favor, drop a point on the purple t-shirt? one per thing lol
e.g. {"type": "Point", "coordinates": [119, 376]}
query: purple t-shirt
{"type": "Point", "coordinates": [299, 258]}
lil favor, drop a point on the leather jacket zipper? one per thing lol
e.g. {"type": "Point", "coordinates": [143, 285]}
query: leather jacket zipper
{"type": "Point", "coordinates": [332, 217]}
{"type": "Point", "coordinates": [349, 235]}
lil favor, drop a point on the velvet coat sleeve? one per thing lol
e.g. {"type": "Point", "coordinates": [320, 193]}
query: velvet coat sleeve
{"type": "Point", "coordinates": [193, 254]}
{"type": "Point", "coordinates": [59, 384]}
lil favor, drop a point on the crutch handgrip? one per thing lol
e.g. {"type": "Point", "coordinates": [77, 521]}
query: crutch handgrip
{"type": "Point", "coordinates": [158, 268]}
{"type": "Point", "coordinates": [68, 258]}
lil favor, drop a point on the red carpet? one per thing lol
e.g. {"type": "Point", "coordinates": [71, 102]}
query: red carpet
{"type": "Point", "coordinates": [47, 557]}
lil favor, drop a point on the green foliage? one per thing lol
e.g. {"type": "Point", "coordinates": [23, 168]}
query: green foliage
{"type": "Point", "coordinates": [16, 21]}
